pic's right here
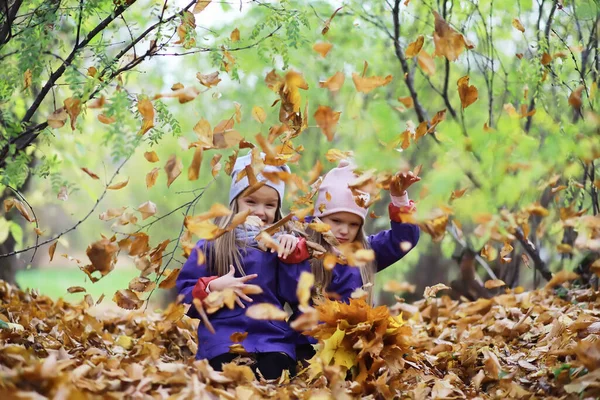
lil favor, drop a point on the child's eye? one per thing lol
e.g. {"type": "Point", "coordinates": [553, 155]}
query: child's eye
{"type": "Point", "coordinates": [250, 201]}
{"type": "Point", "coordinates": [354, 225]}
{"type": "Point", "coordinates": [271, 205]}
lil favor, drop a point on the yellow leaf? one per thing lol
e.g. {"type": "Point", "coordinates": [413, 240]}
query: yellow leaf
{"type": "Point", "coordinates": [517, 25]}
{"type": "Point", "coordinates": [73, 107]}
{"type": "Point", "coordinates": [182, 95]}
{"type": "Point", "coordinates": [125, 342]}
{"type": "Point", "coordinates": [27, 77]}
{"type": "Point", "coordinates": [327, 120]}
{"type": "Point", "coordinates": [119, 185]}
{"type": "Point", "coordinates": [200, 6]}
{"type": "Point", "coordinates": [335, 353]}
{"type": "Point", "coordinates": [305, 283]}
{"type": "Point", "coordinates": [215, 165]}
{"type": "Point", "coordinates": [204, 133]}
{"type": "Point", "coordinates": [335, 155]}
{"type": "Point", "coordinates": [147, 209]}
{"type": "Point", "coordinates": [395, 286]}
{"type": "Point", "coordinates": [235, 35]}
{"type": "Point", "coordinates": [415, 47]}
{"type": "Point", "coordinates": [151, 156]}
{"type": "Point", "coordinates": [468, 93]}
{"type": "Point", "coordinates": [494, 283]}
{"type": "Point", "coordinates": [169, 281]}
{"type": "Point", "coordinates": [266, 311]}
{"type": "Point", "coordinates": [173, 169]}
{"type": "Point", "coordinates": [334, 83]}
{"type": "Point", "coordinates": [51, 250]}
{"type": "Point", "coordinates": [322, 48]}
{"type": "Point", "coordinates": [426, 62]}
{"type": "Point", "coordinates": [146, 110]}
{"type": "Point", "coordinates": [561, 277]}
{"type": "Point", "coordinates": [203, 229]}
{"type": "Point", "coordinates": [259, 114]}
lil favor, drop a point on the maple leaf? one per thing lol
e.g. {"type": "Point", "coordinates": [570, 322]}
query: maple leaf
{"type": "Point", "coordinates": [333, 351]}
{"type": "Point", "coordinates": [327, 120]}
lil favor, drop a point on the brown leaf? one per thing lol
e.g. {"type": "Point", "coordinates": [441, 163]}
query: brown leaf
{"type": "Point", "coordinates": [328, 22]}
{"type": "Point", "coordinates": [407, 101]}
{"type": "Point", "coordinates": [396, 287]}
{"type": "Point", "coordinates": [90, 173]}
{"type": "Point", "coordinates": [517, 25]}
{"type": "Point", "coordinates": [266, 311]}
{"type": "Point", "coordinates": [103, 256]}
{"type": "Point", "coordinates": [194, 169]}
{"type": "Point", "coordinates": [76, 289]}
{"type": "Point", "coordinates": [58, 118]}
{"type": "Point", "coordinates": [209, 80]}
{"type": "Point", "coordinates": [215, 165]}
{"type": "Point", "coordinates": [238, 337]}
{"type": "Point", "coordinates": [334, 83]}
{"type": "Point", "coordinates": [151, 177]}
{"type": "Point", "coordinates": [367, 84]}
{"type": "Point", "coordinates": [151, 156]}
{"type": "Point", "coordinates": [546, 59]}
{"type": "Point", "coordinates": [169, 281]}
{"type": "Point", "coordinates": [322, 48]}
{"type": "Point", "coordinates": [448, 42]}
{"type": "Point", "coordinates": [426, 62]}
{"type": "Point", "coordinates": [494, 283]}
{"type": "Point", "coordinates": [147, 209]}
{"type": "Point", "coordinates": [204, 133]}
{"type": "Point", "coordinates": [127, 299]}
{"type": "Point", "coordinates": [119, 185]}
{"type": "Point", "coordinates": [183, 95]}
{"type": "Point", "coordinates": [561, 277]}
{"type": "Point", "coordinates": [173, 169]}
{"type": "Point", "coordinates": [575, 97]}
{"type": "Point", "coordinates": [468, 93]}
{"type": "Point", "coordinates": [51, 250]}
{"type": "Point", "coordinates": [431, 291]}
{"type": "Point", "coordinates": [415, 47]}
{"type": "Point", "coordinates": [22, 210]}
{"type": "Point", "coordinates": [146, 110]}
{"type": "Point", "coordinates": [107, 120]}
{"type": "Point", "coordinates": [141, 284]}
{"type": "Point", "coordinates": [73, 108]}
{"type": "Point", "coordinates": [335, 155]}
{"type": "Point", "coordinates": [327, 120]}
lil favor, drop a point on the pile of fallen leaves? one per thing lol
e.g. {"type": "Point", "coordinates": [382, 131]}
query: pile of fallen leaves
{"type": "Point", "coordinates": [516, 345]}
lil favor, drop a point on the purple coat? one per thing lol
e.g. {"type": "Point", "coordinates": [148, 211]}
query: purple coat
{"type": "Point", "coordinates": [263, 336]}
{"type": "Point", "coordinates": [345, 278]}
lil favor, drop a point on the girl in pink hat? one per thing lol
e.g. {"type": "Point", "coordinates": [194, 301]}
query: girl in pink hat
{"type": "Point", "coordinates": [344, 211]}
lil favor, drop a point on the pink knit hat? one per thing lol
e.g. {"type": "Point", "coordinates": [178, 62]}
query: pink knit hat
{"type": "Point", "coordinates": [336, 183]}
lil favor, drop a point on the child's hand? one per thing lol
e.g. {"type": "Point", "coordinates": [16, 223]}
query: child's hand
{"type": "Point", "coordinates": [402, 181]}
{"type": "Point", "coordinates": [237, 284]}
{"type": "Point", "coordinates": [287, 245]}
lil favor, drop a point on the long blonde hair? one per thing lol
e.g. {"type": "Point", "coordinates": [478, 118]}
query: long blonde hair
{"type": "Point", "coordinates": [226, 250]}
{"type": "Point", "coordinates": [323, 276]}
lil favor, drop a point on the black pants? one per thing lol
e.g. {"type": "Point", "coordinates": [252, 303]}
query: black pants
{"type": "Point", "coordinates": [305, 352]}
{"type": "Point", "coordinates": [269, 364]}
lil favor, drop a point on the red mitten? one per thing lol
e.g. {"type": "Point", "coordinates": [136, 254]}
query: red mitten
{"type": "Point", "coordinates": [300, 253]}
{"type": "Point", "coordinates": [396, 212]}
{"type": "Point", "coordinates": [199, 290]}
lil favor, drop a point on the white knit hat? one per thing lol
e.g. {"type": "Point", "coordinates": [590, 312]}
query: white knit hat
{"type": "Point", "coordinates": [241, 185]}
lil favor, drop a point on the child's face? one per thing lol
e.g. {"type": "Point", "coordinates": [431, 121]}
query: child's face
{"type": "Point", "coordinates": [344, 225]}
{"type": "Point", "coordinates": [262, 204]}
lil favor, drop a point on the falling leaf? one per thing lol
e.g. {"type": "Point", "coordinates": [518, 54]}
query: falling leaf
{"type": "Point", "coordinates": [575, 97]}
{"type": "Point", "coordinates": [107, 120]}
{"type": "Point", "coordinates": [151, 177]}
{"type": "Point", "coordinates": [334, 352]}
{"type": "Point", "coordinates": [76, 289]}
{"type": "Point", "coordinates": [407, 101]}
{"type": "Point", "coordinates": [147, 209]}
{"type": "Point", "coordinates": [305, 283]}
{"type": "Point", "coordinates": [58, 118]}
{"type": "Point", "coordinates": [517, 25]}
{"type": "Point", "coordinates": [173, 169]}
{"type": "Point", "coordinates": [127, 299]}
{"type": "Point", "coordinates": [468, 93]}
{"type": "Point", "coordinates": [415, 47]}
{"type": "Point", "coordinates": [367, 84]}
{"type": "Point", "coordinates": [494, 283]}
{"type": "Point", "coordinates": [215, 165]}
{"type": "Point", "coordinates": [238, 337]}
{"type": "Point", "coordinates": [151, 156]}
{"type": "Point", "coordinates": [146, 110]}
{"type": "Point", "coordinates": [328, 22]}
{"type": "Point", "coordinates": [194, 169]}
{"type": "Point", "coordinates": [335, 155]}
{"type": "Point", "coordinates": [90, 173]}
{"type": "Point", "coordinates": [327, 120]}
{"type": "Point", "coordinates": [235, 35]}
{"type": "Point", "coordinates": [73, 108]}
{"type": "Point", "coordinates": [51, 250]}
{"type": "Point", "coordinates": [334, 83]}
{"type": "Point", "coordinates": [27, 78]}
{"type": "Point", "coordinates": [561, 277]}
{"type": "Point", "coordinates": [200, 6]}
{"type": "Point", "coordinates": [448, 42]}
{"type": "Point", "coordinates": [426, 62]}
{"type": "Point", "coordinates": [431, 291]}
{"type": "Point", "coordinates": [209, 80]}
{"type": "Point", "coordinates": [322, 48]}
{"type": "Point", "coordinates": [183, 95]}
{"type": "Point", "coordinates": [546, 58]}
{"type": "Point", "coordinates": [169, 281]}
{"type": "Point", "coordinates": [119, 185]}
{"type": "Point", "coordinates": [259, 114]}
{"type": "Point", "coordinates": [397, 287]}
{"type": "Point", "coordinates": [266, 311]}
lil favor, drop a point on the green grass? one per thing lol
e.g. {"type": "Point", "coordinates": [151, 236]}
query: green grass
{"type": "Point", "coordinates": [54, 282]}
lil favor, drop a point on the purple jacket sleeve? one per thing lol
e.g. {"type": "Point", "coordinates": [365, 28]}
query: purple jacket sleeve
{"type": "Point", "coordinates": [189, 275]}
{"type": "Point", "coordinates": [386, 244]}
{"type": "Point", "coordinates": [288, 276]}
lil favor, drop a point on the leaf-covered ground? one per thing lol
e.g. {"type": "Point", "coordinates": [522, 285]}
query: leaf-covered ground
{"type": "Point", "coordinates": [516, 345]}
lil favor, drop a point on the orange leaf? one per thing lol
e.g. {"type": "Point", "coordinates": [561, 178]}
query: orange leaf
{"type": "Point", "coordinates": [151, 156]}
{"type": "Point", "coordinates": [546, 58]}
{"type": "Point", "coordinates": [194, 169]}
{"type": "Point", "coordinates": [169, 281]}
{"type": "Point", "coordinates": [183, 95]}
{"type": "Point", "coordinates": [575, 97]}
{"type": "Point", "coordinates": [328, 22]}
{"type": "Point", "coordinates": [57, 118]}
{"type": "Point", "coordinates": [426, 62]}
{"type": "Point", "coordinates": [200, 6]}
{"type": "Point", "coordinates": [204, 133]}
{"type": "Point", "coordinates": [322, 48]}
{"type": "Point", "coordinates": [266, 311]}
{"type": "Point", "coordinates": [367, 84]}
{"type": "Point", "coordinates": [517, 25]}
{"type": "Point", "coordinates": [415, 47]}
{"type": "Point", "coordinates": [76, 289]}
{"type": "Point", "coordinates": [52, 249]}
{"type": "Point", "coordinates": [106, 120]}
{"type": "Point", "coordinates": [173, 169]}
{"type": "Point", "coordinates": [151, 177]}
{"type": "Point", "coordinates": [117, 186]}
{"type": "Point", "coordinates": [215, 165]}
{"type": "Point", "coordinates": [468, 93]}
{"type": "Point", "coordinates": [146, 110]}
{"type": "Point", "coordinates": [235, 35]}
{"type": "Point", "coordinates": [73, 107]}
{"type": "Point", "coordinates": [494, 283]}
{"type": "Point", "coordinates": [327, 120]}
{"type": "Point", "coordinates": [334, 83]}
{"type": "Point", "coordinates": [407, 101]}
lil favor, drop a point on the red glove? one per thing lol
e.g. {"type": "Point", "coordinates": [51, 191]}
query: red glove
{"type": "Point", "coordinates": [396, 212]}
{"type": "Point", "coordinates": [300, 253]}
{"type": "Point", "coordinates": [199, 290]}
